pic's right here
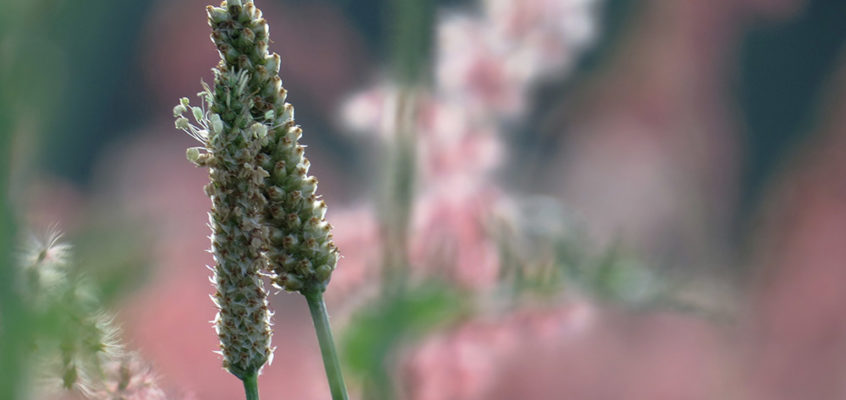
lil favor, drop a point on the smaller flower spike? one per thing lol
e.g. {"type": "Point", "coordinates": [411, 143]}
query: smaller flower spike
{"type": "Point", "coordinates": [301, 254]}
{"type": "Point", "coordinates": [231, 145]}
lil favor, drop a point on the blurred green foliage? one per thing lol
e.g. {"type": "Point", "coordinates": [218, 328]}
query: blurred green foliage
{"type": "Point", "coordinates": [378, 331]}
{"type": "Point", "coordinates": [35, 125]}
{"type": "Point", "coordinates": [115, 254]}
{"type": "Point", "coordinates": [411, 32]}
{"type": "Point", "coordinates": [20, 93]}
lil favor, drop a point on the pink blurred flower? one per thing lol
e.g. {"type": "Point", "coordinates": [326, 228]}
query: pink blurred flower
{"type": "Point", "coordinates": [454, 151]}
{"type": "Point", "coordinates": [127, 378]}
{"type": "Point", "coordinates": [571, 351]}
{"type": "Point", "coordinates": [473, 68]}
{"type": "Point", "coordinates": [449, 143]}
{"type": "Point", "coordinates": [463, 364]}
{"type": "Point", "coordinates": [484, 67]}
{"type": "Point", "coordinates": [552, 32]}
{"type": "Point", "coordinates": [372, 111]}
{"type": "Point", "coordinates": [490, 63]}
{"type": "Point", "coordinates": [357, 236]}
{"type": "Point", "coordinates": [450, 237]}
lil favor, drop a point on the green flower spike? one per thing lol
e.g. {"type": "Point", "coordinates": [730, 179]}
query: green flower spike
{"type": "Point", "coordinates": [266, 214]}
{"type": "Point", "coordinates": [300, 252]}
{"type": "Point", "coordinates": [231, 144]}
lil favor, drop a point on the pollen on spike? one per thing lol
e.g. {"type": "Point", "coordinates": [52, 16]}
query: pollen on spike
{"type": "Point", "coordinates": [198, 113]}
{"type": "Point", "coordinates": [216, 123]}
{"type": "Point", "coordinates": [248, 34]}
{"type": "Point", "coordinates": [193, 154]}
{"type": "Point", "coordinates": [261, 48]}
{"type": "Point", "coordinates": [182, 123]}
{"type": "Point", "coordinates": [289, 241]}
{"type": "Point", "coordinates": [279, 170]}
{"type": "Point", "coordinates": [287, 112]}
{"type": "Point", "coordinates": [292, 218]}
{"type": "Point", "coordinates": [216, 14]}
{"type": "Point", "coordinates": [272, 63]}
{"type": "Point", "coordinates": [261, 27]}
{"type": "Point", "coordinates": [258, 130]}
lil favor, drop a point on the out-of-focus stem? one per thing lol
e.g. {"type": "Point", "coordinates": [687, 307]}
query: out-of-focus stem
{"type": "Point", "coordinates": [400, 193]}
{"type": "Point", "coordinates": [411, 39]}
{"type": "Point", "coordinates": [14, 323]}
{"type": "Point", "coordinates": [327, 345]}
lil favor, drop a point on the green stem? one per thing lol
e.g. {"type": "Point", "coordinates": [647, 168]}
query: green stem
{"type": "Point", "coordinates": [327, 344]}
{"type": "Point", "coordinates": [251, 386]}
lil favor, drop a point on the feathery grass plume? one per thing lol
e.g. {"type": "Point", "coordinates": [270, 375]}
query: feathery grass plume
{"type": "Point", "coordinates": [84, 337]}
{"type": "Point", "coordinates": [44, 260]}
{"type": "Point", "coordinates": [232, 142]}
{"type": "Point", "coordinates": [79, 346]}
{"type": "Point", "coordinates": [127, 378]}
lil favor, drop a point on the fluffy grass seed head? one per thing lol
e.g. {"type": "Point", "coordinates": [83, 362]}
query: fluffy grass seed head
{"type": "Point", "coordinates": [81, 338]}
{"type": "Point", "coordinates": [44, 260]}
{"type": "Point", "coordinates": [127, 378]}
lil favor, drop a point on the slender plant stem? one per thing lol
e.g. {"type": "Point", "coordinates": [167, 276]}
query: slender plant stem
{"type": "Point", "coordinates": [327, 345]}
{"type": "Point", "coordinates": [251, 386]}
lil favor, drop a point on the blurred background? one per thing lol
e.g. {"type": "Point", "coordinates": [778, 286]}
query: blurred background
{"type": "Point", "coordinates": [535, 199]}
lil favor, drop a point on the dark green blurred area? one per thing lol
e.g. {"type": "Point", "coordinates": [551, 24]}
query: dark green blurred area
{"type": "Point", "coordinates": [101, 96]}
{"type": "Point", "coordinates": [89, 89]}
{"type": "Point", "coordinates": [783, 70]}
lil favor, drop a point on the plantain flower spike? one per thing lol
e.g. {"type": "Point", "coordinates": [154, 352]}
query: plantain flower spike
{"type": "Point", "coordinates": [233, 139]}
{"type": "Point", "coordinates": [300, 252]}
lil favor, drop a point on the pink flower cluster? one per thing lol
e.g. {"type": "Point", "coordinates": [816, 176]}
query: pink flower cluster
{"type": "Point", "coordinates": [489, 63]}
{"type": "Point", "coordinates": [464, 363]}
{"type": "Point", "coordinates": [485, 66]}
{"type": "Point", "coordinates": [129, 378]}
{"type": "Point", "coordinates": [575, 351]}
